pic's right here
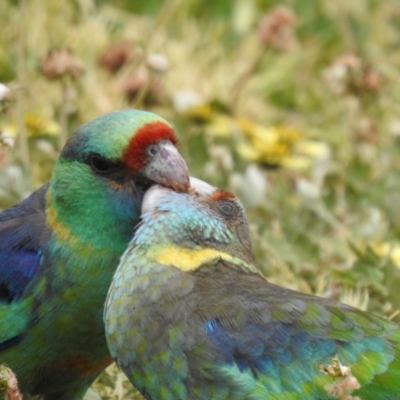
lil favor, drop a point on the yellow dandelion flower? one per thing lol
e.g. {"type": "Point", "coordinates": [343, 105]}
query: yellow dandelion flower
{"type": "Point", "coordinates": [201, 113]}
{"type": "Point", "coordinates": [221, 125]}
{"type": "Point", "coordinates": [313, 149]}
{"type": "Point", "coordinates": [38, 125]}
{"type": "Point", "coordinates": [296, 162]}
{"type": "Point", "coordinates": [248, 152]}
{"type": "Point", "coordinates": [386, 249]}
{"type": "Point", "coordinates": [288, 134]}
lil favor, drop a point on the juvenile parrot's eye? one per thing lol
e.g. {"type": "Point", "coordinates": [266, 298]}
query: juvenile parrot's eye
{"type": "Point", "coordinates": [99, 164]}
{"type": "Point", "coordinates": [228, 208]}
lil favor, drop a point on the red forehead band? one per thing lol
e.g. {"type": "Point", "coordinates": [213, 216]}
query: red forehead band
{"type": "Point", "coordinates": [135, 154]}
{"type": "Point", "coordinates": [221, 195]}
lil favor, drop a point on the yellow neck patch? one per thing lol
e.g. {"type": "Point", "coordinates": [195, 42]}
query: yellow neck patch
{"type": "Point", "coordinates": [62, 233]}
{"type": "Point", "coordinates": [189, 259]}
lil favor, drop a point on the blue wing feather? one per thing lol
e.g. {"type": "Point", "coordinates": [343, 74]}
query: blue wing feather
{"type": "Point", "coordinates": [284, 358]}
{"type": "Point", "coordinates": [13, 281]}
{"type": "Point", "coordinates": [261, 347]}
{"type": "Point", "coordinates": [22, 234]}
{"type": "Point", "coordinates": [22, 229]}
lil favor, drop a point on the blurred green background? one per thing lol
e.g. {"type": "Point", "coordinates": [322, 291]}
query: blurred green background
{"type": "Point", "coordinates": [294, 106]}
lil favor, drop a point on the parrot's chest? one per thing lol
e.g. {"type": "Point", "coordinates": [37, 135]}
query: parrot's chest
{"type": "Point", "coordinates": [77, 313]}
{"type": "Point", "coordinates": [65, 344]}
{"type": "Point", "coordinates": [71, 329]}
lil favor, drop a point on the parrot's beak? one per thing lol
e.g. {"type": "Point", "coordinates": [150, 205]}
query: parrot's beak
{"type": "Point", "coordinates": [153, 194]}
{"type": "Point", "coordinates": [200, 187]}
{"type": "Point", "coordinates": [168, 168]}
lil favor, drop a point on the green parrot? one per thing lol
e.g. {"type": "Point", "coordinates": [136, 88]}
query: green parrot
{"type": "Point", "coordinates": [189, 316]}
{"type": "Point", "coordinates": [59, 249]}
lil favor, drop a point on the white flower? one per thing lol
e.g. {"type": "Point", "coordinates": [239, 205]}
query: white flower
{"type": "Point", "coordinates": [3, 91]}
{"type": "Point", "coordinates": [185, 100]}
{"type": "Point", "coordinates": [8, 141]}
{"type": "Point", "coordinates": [6, 137]}
{"type": "Point", "coordinates": [307, 189]}
{"type": "Point", "coordinates": [157, 62]}
{"type": "Point", "coordinates": [252, 186]}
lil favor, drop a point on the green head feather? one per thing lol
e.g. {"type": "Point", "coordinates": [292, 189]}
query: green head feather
{"type": "Point", "coordinates": [98, 182]}
{"type": "Point", "coordinates": [204, 223]}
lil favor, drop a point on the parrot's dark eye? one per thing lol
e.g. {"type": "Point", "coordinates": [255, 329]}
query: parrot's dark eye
{"type": "Point", "coordinates": [228, 208]}
{"type": "Point", "coordinates": [100, 164]}
{"type": "Point", "coordinates": [152, 150]}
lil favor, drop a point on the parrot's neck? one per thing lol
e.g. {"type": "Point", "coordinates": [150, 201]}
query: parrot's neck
{"type": "Point", "coordinates": [91, 230]}
{"type": "Point", "coordinates": [87, 253]}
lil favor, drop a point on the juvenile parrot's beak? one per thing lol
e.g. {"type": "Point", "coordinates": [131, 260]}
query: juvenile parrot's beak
{"type": "Point", "coordinates": [168, 168]}
{"type": "Point", "coordinates": [153, 194]}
